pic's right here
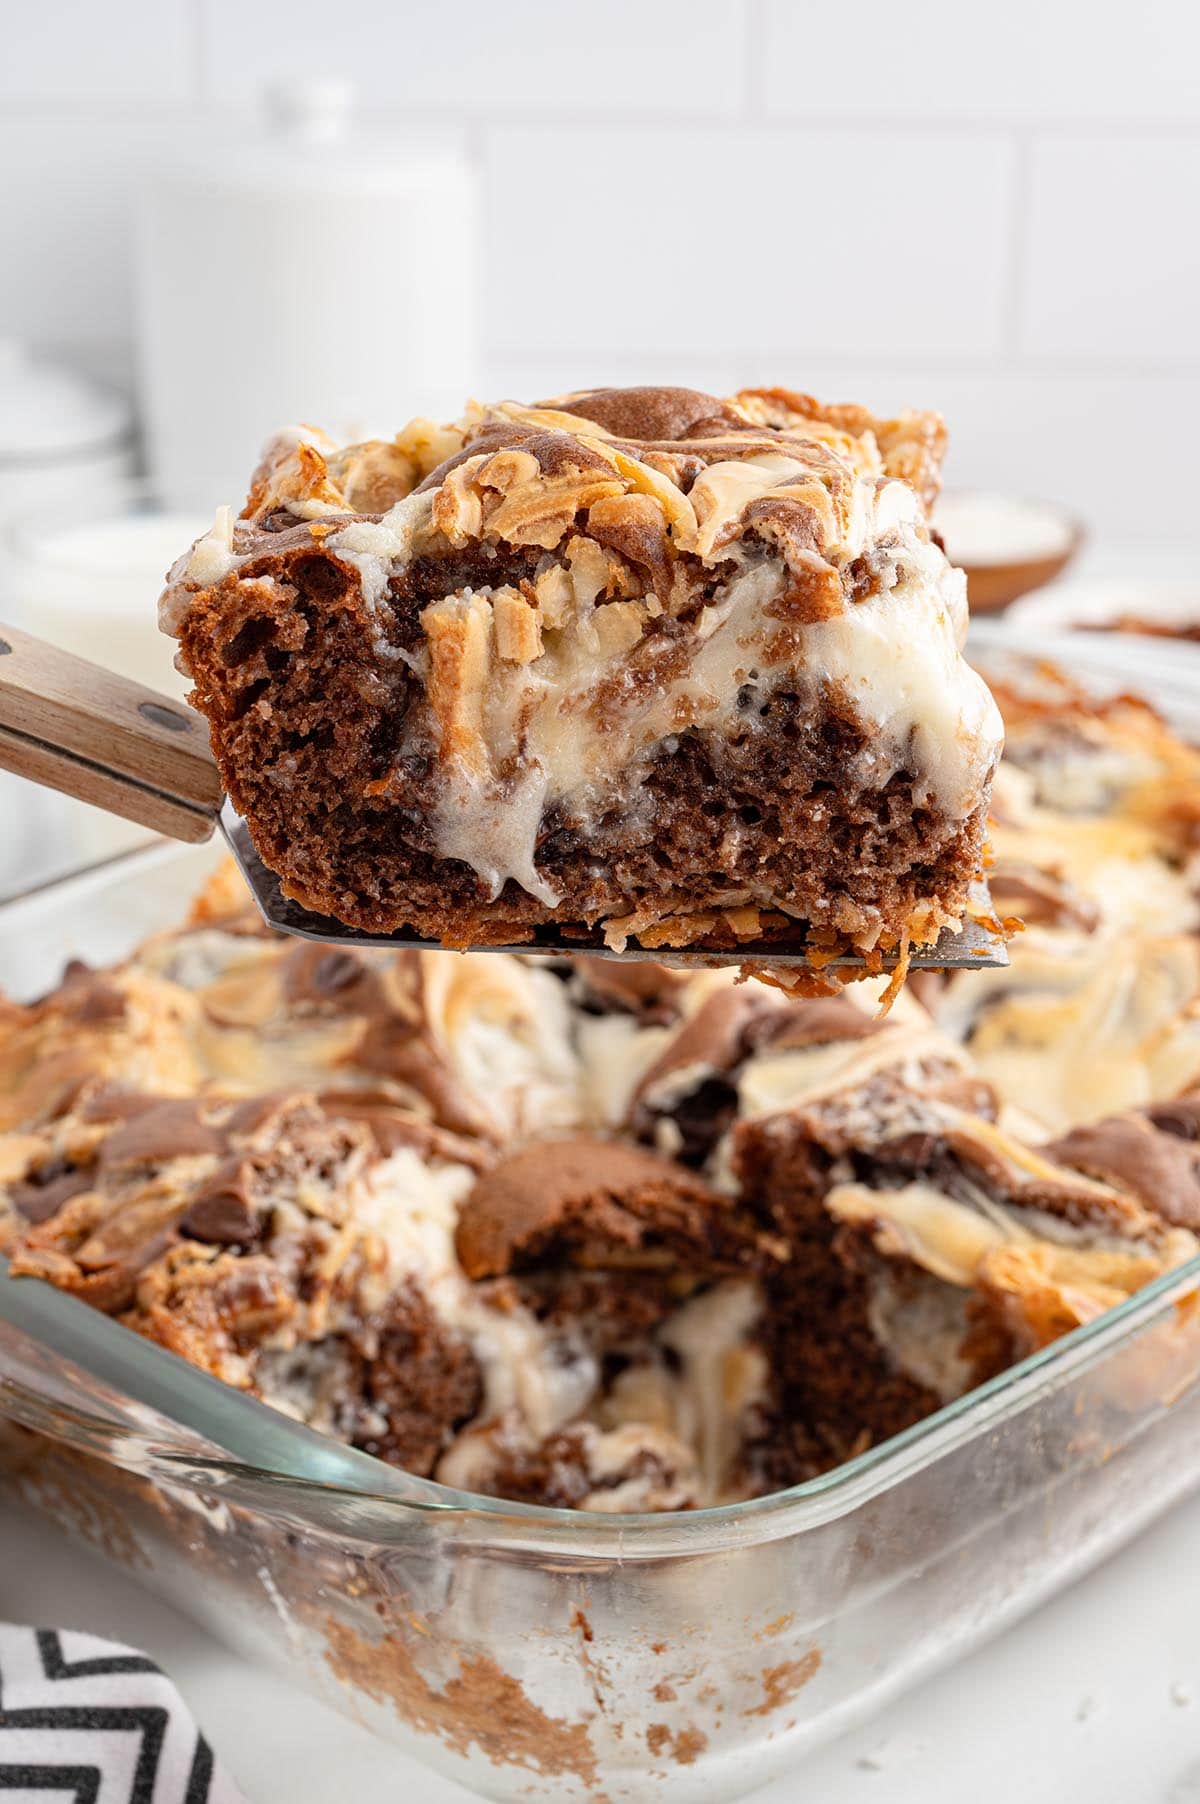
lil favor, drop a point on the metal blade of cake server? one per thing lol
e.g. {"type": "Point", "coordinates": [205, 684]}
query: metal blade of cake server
{"type": "Point", "coordinates": [975, 947]}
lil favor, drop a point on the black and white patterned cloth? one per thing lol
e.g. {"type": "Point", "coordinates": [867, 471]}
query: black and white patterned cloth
{"type": "Point", "coordinates": [83, 1721]}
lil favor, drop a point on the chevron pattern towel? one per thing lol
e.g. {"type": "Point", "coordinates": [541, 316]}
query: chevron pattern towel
{"type": "Point", "coordinates": [87, 1722]}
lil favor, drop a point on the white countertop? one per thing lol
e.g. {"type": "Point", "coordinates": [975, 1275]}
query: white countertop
{"type": "Point", "coordinates": [1095, 1696]}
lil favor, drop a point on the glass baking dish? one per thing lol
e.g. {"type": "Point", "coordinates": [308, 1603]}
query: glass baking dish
{"type": "Point", "coordinates": [530, 1652]}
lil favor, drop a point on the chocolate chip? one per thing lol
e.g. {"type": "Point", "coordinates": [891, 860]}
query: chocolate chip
{"type": "Point", "coordinates": [42, 1193]}
{"type": "Point", "coordinates": [115, 1104]}
{"type": "Point", "coordinates": [173, 1129]}
{"type": "Point", "coordinates": [1130, 1152]}
{"type": "Point", "coordinates": [649, 991]}
{"type": "Point", "coordinates": [915, 1152]}
{"type": "Point", "coordinates": [1181, 1117]}
{"type": "Point", "coordinates": [270, 1110]}
{"type": "Point", "coordinates": [222, 1212]}
{"type": "Point", "coordinates": [812, 1021]}
{"type": "Point", "coordinates": [315, 976]}
{"type": "Point", "coordinates": [90, 996]}
{"type": "Point", "coordinates": [701, 1118]}
{"type": "Point", "coordinates": [335, 971]}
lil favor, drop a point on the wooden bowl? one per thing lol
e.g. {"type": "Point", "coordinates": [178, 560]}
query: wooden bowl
{"type": "Point", "coordinates": [993, 587]}
{"type": "Point", "coordinates": [994, 584]}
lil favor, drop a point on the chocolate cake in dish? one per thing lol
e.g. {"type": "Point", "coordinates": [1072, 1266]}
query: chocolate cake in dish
{"type": "Point", "coordinates": [635, 666]}
{"type": "Point", "coordinates": [619, 1237]}
{"type": "Point", "coordinates": [372, 1189]}
{"type": "Point", "coordinates": [940, 1249]}
{"type": "Point", "coordinates": [616, 1237]}
{"type": "Point", "coordinates": [1095, 841]}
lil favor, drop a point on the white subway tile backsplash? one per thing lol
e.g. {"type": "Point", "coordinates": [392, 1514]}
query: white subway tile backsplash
{"type": "Point", "coordinates": [526, 56]}
{"type": "Point", "coordinates": [538, 375]}
{"type": "Point", "coordinates": [66, 275]}
{"type": "Point", "coordinates": [952, 59]}
{"type": "Point", "coordinates": [995, 214]}
{"type": "Point", "coordinates": [1113, 251]}
{"type": "Point", "coordinates": [1116, 450]}
{"type": "Point", "coordinates": [109, 54]}
{"type": "Point", "coordinates": [687, 242]}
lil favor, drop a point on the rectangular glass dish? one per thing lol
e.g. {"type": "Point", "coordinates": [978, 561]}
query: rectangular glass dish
{"type": "Point", "coordinates": [530, 1652]}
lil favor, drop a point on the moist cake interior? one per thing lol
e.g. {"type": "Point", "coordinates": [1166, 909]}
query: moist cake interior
{"type": "Point", "coordinates": [641, 663]}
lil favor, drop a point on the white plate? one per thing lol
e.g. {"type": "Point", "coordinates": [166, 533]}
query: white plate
{"type": "Point", "coordinates": [1078, 604]}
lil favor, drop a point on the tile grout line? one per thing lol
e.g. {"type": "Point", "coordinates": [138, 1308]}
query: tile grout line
{"type": "Point", "coordinates": [877, 363]}
{"type": "Point", "coordinates": [52, 109]}
{"type": "Point", "coordinates": [198, 43]}
{"type": "Point", "coordinates": [754, 46]}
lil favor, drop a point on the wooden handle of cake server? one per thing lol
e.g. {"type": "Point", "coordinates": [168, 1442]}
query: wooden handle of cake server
{"type": "Point", "coordinates": [78, 728]}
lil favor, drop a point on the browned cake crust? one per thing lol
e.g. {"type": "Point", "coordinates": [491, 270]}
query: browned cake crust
{"type": "Point", "coordinates": [613, 664]}
{"type": "Point", "coordinates": [599, 1205]}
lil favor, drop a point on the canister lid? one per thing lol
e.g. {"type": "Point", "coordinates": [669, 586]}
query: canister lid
{"type": "Point", "coordinates": [306, 138]}
{"type": "Point", "coordinates": [315, 110]}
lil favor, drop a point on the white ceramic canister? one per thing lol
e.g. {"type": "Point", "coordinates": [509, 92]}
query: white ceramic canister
{"type": "Point", "coordinates": [63, 438]}
{"type": "Point", "coordinates": [66, 453]}
{"type": "Point", "coordinates": [305, 272]}
{"type": "Point", "coordinates": [90, 581]}
{"type": "Point", "coordinates": [86, 577]}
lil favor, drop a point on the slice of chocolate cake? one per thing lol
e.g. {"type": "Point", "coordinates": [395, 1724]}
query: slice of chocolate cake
{"type": "Point", "coordinates": [649, 1277]}
{"type": "Point", "coordinates": [343, 1182]}
{"type": "Point", "coordinates": [929, 1250]}
{"type": "Point", "coordinates": [641, 664]}
{"type": "Point", "coordinates": [1094, 837]}
{"type": "Point", "coordinates": [291, 1252]}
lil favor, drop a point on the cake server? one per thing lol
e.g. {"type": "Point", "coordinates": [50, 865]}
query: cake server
{"type": "Point", "coordinates": [78, 728]}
